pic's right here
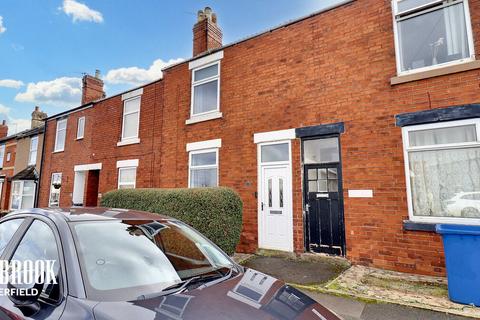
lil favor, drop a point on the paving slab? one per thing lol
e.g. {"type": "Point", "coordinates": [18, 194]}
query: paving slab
{"type": "Point", "coordinates": [352, 309]}
{"type": "Point", "coordinates": [296, 270]}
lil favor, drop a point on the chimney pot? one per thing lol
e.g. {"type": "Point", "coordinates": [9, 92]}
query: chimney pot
{"type": "Point", "coordinates": [38, 118]}
{"type": "Point", "coordinates": [3, 129]}
{"type": "Point", "coordinates": [207, 35]}
{"type": "Point", "coordinates": [92, 88]}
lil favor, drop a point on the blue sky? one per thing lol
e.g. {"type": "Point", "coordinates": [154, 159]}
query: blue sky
{"type": "Point", "coordinates": [46, 45]}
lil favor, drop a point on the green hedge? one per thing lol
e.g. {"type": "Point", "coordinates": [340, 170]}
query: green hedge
{"type": "Point", "coordinates": [215, 212]}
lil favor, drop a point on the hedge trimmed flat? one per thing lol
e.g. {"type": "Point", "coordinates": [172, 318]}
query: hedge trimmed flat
{"type": "Point", "coordinates": [123, 264]}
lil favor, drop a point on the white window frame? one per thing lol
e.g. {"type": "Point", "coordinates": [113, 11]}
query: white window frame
{"type": "Point", "coordinates": [132, 139]}
{"type": "Point", "coordinates": [81, 121]}
{"type": "Point", "coordinates": [22, 183]}
{"type": "Point", "coordinates": [204, 81]}
{"type": "Point", "coordinates": [124, 165]}
{"type": "Point", "coordinates": [33, 161]}
{"type": "Point", "coordinates": [468, 23]}
{"type": "Point", "coordinates": [407, 149]}
{"type": "Point", "coordinates": [127, 183]}
{"type": "Point", "coordinates": [9, 156]}
{"type": "Point", "coordinates": [56, 149]}
{"type": "Point", "coordinates": [52, 188]}
{"type": "Point", "coordinates": [210, 166]}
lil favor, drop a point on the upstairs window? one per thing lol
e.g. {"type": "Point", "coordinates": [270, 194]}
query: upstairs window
{"type": "Point", "coordinates": [2, 155]}
{"type": "Point", "coordinates": [61, 135]}
{"type": "Point", "coordinates": [442, 162]}
{"type": "Point", "coordinates": [206, 89]}
{"type": "Point", "coordinates": [32, 156]}
{"type": "Point", "coordinates": [131, 119]}
{"type": "Point", "coordinates": [80, 128]}
{"type": "Point", "coordinates": [431, 33]}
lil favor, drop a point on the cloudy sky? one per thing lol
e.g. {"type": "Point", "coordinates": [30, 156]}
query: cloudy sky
{"type": "Point", "coordinates": [46, 45]}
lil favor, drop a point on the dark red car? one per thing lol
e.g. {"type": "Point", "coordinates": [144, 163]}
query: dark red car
{"type": "Point", "coordinates": [121, 264]}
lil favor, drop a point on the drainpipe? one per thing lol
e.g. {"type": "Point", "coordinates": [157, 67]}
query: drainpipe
{"type": "Point", "coordinates": [37, 190]}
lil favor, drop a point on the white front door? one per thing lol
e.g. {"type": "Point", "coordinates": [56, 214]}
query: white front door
{"type": "Point", "coordinates": [79, 187]}
{"type": "Point", "coordinates": [276, 208]}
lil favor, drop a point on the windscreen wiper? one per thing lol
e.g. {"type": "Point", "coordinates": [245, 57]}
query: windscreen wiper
{"type": "Point", "coordinates": [180, 286]}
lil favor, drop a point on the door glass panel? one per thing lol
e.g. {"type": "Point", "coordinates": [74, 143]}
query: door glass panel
{"type": "Point", "coordinates": [312, 186]}
{"type": "Point", "coordinates": [332, 173]}
{"type": "Point", "coordinates": [275, 152]}
{"type": "Point", "coordinates": [322, 173]}
{"type": "Point", "coordinates": [269, 193]}
{"type": "Point", "coordinates": [332, 185]}
{"type": "Point", "coordinates": [321, 151]}
{"type": "Point", "coordinates": [322, 186]}
{"type": "Point", "coordinates": [312, 174]}
{"type": "Point", "coordinates": [280, 188]}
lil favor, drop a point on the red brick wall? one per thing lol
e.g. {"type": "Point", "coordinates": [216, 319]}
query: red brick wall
{"type": "Point", "coordinates": [102, 132]}
{"type": "Point", "coordinates": [333, 67]}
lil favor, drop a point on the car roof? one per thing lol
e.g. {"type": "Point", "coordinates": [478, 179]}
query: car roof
{"type": "Point", "coordinates": [93, 214]}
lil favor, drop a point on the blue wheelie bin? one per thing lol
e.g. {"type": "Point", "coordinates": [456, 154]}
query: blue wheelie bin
{"type": "Point", "coordinates": [462, 257]}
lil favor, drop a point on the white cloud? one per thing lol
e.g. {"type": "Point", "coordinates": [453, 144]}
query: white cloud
{"type": "Point", "coordinates": [138, 76]}
{"type": "Point", "coordinates": [2, 28]}
{"type": "Point", "coordinates": [9, 83]}
{"type": "Point", "coordinates": [14, 125]}
{"type": "Point", "coordinates": [4, 110]}
{"type": "Point", "coordinates": [81, 12]}
{"type": "Point", "coordinates": [63, 91]}
{"type": "Point", "coordinates": [18, 125]}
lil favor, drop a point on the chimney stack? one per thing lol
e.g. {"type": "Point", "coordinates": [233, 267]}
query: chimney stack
{"type": "Point", "coordinates": [3, 129]}
{"type": "Point", "coordinates": [207, 35]}
{"type": "Point", "coordinates": [92, 88]}
{"type": "Point", "coordinates": [38, 117]}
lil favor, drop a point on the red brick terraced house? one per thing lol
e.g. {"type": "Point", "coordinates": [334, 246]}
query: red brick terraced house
{"type": "Point", "coordinates": [20, 161]}
{"type": "Point", "coordinates": [352, 131]}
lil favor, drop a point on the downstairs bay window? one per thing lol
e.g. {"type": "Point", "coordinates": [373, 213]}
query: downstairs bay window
{"type": "Point", "coordinates": [23, 195]}
{"type": "Point", "coordinates": [442, 163]}
{"type": "Point", "coordinates": [431, 33]}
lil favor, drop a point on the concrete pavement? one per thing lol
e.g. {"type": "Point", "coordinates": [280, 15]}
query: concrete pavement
{"type": "Point", "coordinates": [351, 309]}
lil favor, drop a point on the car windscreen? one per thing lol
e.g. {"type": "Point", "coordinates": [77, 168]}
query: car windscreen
{"type": "Point", "coordinates": [122, 260]}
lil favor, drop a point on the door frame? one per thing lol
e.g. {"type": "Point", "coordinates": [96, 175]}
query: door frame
{"type": "Point", "coordinates": [260, 169]}
{"type": "Point", "coordinates": [341, 209]}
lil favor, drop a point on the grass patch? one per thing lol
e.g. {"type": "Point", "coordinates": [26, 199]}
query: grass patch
{"type": "Point", "coordinates": [424, 288]}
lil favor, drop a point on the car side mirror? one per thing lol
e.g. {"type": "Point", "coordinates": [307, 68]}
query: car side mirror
{"type": "Point", "coordinates": [26, 299]}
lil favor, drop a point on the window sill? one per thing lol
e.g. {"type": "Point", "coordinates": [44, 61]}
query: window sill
{"type": "Point", "coordinates": [204, 117]}
{"type": "Point", "coordinates": [409, 225]}
{"type": "Point", "coordinates": [128, 142]}
{"type": "Point", "coordinates": [59, 151]}
{"type": "Point", "coordinates": [79, 139]}
{"type": "Point", "coordinates": [465, 66]}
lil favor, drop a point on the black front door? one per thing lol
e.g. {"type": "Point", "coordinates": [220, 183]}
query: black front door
{"type": "Point", "coordinates": [324, 206]}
